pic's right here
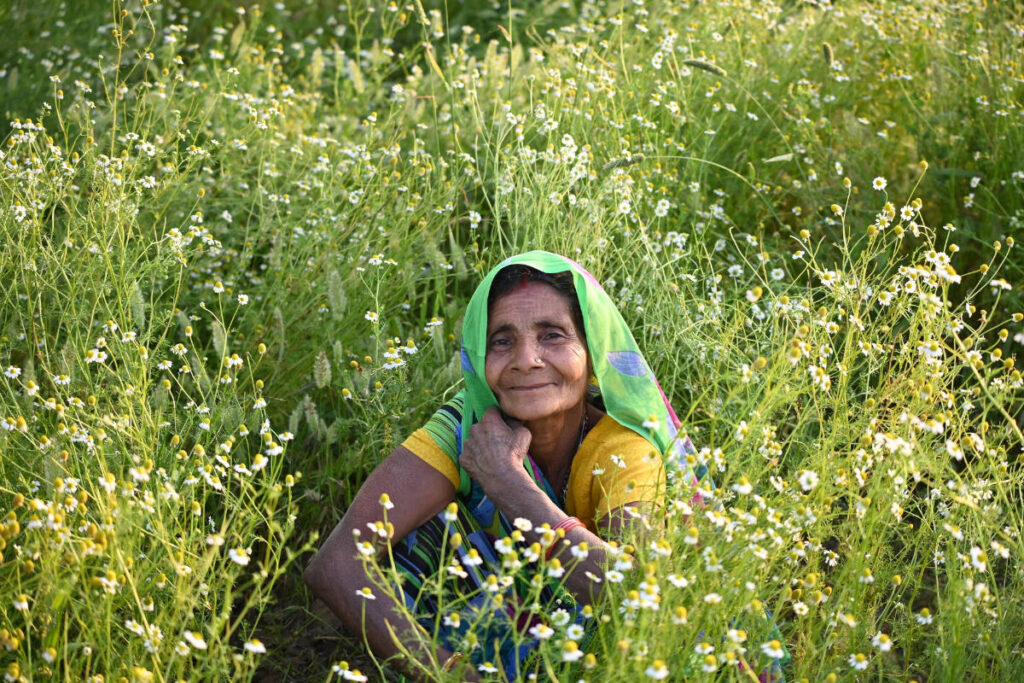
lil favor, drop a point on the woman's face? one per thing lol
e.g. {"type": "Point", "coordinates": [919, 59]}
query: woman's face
{"type": "Point", "coordinates": [536, 360]}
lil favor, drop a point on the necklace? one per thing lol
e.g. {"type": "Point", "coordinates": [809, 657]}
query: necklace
{"type": "Point", "coordinates": [583, 432]}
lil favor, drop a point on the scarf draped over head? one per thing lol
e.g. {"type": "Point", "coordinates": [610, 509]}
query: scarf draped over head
{"type": "Point", "coordinates": [631, 394]}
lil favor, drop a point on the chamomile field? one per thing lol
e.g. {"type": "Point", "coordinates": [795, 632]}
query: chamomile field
{"type": "Point", "coordinates": [237, 240]}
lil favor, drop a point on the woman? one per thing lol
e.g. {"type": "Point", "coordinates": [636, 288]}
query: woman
{"type": "Point", "coordinates": [561, 427]}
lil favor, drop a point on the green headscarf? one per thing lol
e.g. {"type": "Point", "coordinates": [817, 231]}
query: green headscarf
{"type": "Point", "coordinates": [631, 394]}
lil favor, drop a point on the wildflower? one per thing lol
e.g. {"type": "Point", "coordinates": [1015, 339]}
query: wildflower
{"type": "Point", "coordinates": [979, 559]}
{"type": "Point", "coordinates": [808, 480]}
{"type": "Point", "coordinates": [924, 617]}
{"type": "Point", "coordinates": [858, 661]}
{"type": "Point", "coordinates": [710, 664]}
{"type": "Point", "coordinates": [243, 299]}
{"type": "Point", "coordinates": [882, 642]}
{"type": "Point", "coordinates": [215, 540]}
{"type": "Point", "coordinates": [12, 371]}
{"type": "Point", "coordinates": [194, 639]}
{"type": "Point", "coordinates": [255, 646]}
{"type": "Point", "coordinates": [571, 651]}
{"type": "Point", "coordinates": [773, 649]}
{"type": "Point", "coordinates": [141, 675]}
{"type": "Point", "coordinates": [21, 603]}
{"type": "Point", "coordinates": [239, 556]}
{"type": "Point", "coordinates": [366, 594]}
{"type": "Point", "coordinates": [657, 670]}
{"type": "Point", "coordinates": [575, 632]}
{"type": "Point", "coordinates": [371, 316]}
{"type": "Point", "coordinates": [879, 183]}
{"type": "Point", "coordinates": [95, 356]}
{"type": "Point", "coordinates": [542, 631]}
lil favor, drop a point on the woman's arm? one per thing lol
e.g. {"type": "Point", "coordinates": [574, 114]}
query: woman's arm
{"type": "Point", "coordinates": [493, 456]}
{"type": "Point", "coordinates": [335, 574]}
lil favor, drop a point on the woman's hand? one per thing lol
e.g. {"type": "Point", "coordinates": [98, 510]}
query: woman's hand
{"type": "Point", "coordinates": [493, 454]}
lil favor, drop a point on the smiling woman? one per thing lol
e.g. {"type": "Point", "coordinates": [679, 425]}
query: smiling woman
{"type": "Point", "coordinates": [557, 442]}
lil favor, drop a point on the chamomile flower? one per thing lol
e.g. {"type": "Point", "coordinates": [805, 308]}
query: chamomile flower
{"type": "Point", "coordinates": [773, 649]}
{"type": "Point", "coordinates": [882, 641]}
{"type": "Point", "coordinates": [657, 670]}
{"type": "Point", "coordinates": [239, 556]}
{"type": "Point", "coordinates": [254, 646]}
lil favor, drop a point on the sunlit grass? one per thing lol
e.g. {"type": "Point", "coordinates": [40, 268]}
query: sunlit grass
{"type": "Point", "coordinates": [237, 244]}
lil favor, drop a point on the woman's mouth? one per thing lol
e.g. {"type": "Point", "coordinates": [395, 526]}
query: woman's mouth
{"type": "Point", "coordinates": [530, 387]}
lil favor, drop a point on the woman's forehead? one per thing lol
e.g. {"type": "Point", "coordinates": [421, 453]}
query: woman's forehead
{"type": "Point", "coordinates": [530, 302]}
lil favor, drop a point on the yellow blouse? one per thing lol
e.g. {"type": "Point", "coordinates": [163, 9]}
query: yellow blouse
{"type": "Point", "coordinates": [614, 466]}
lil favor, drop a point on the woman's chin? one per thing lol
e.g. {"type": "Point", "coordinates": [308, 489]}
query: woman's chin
{"type": "Point", "coordinates": [528, 411]}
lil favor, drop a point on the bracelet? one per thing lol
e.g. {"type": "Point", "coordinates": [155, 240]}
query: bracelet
{"type": "Point", "coordinates": [566, 525]}
{"type": "Point", "coordinates": [450, 663]}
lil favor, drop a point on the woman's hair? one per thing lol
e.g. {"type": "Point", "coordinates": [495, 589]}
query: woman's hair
{"type": "Point", "coordinates": [516, 276]}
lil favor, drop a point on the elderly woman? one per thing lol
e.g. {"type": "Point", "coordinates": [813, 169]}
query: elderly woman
{"type": "Point", "coordinates": [561, 429]}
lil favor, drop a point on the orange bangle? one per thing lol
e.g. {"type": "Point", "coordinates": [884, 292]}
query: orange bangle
{"type": "Point", "coordinates": [566, 525]}
{"type": "Point", "coordinates": [450, 663]}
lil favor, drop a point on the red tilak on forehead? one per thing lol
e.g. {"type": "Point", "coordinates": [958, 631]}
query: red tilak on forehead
{"type": "Point", "coordinates": [524, 280]}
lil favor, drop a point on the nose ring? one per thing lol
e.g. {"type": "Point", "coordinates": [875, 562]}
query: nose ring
{"type": "Point", "coordinates": [538, 360]}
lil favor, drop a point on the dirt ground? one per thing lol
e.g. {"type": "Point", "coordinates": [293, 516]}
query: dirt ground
{"type": "Point", "coordinates": [304, 640]}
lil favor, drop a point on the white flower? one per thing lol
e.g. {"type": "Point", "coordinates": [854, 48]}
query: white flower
{"type": "Point", "coordinates": [858, 661]}
{"type": "Point", "coordinates": [571, 651]}
{"type": "Point", "coordinates": [882, 642]}
{"type": "Point", "coordinates": [979, 559]}
{"type": "Point", "coordinates": [574, 632]}
{"type": "Point", "coordinates": [523, 524]}
{"type": "Point", "coordinates": [12, 371]}
{"type": "Point", "coordinates": [773, 649]}
{"type": "Point", "coordinates": [21, 603]}
{"type": "Point", "coordinates": [657, 670]}
{"type": "Point", "coordinates": [879, 183]}
{"type": "Point", "coordinates": [255, 646]}
{"type": "Point", "coordinates": [239, 556]}
{"type": "Point", "coordinates": [243, 299]}
{"type": "Point", "coordinates": [194, 639]}
{"type": "Point", "coordinates": [808, 479]}
{"type": "Point", "coordinates": [542, 631]}
{"type": "Point", "coordinates": [371, 316]}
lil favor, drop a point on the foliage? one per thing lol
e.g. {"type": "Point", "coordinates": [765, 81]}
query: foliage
{"type": "Point", "coordinates": [236, 244]}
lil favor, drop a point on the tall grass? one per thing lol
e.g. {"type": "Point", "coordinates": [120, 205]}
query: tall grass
{"type": "Point", "coordinates": [237, 243]}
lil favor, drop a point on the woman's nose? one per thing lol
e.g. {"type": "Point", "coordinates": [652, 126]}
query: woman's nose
{"type": "Point", "coordinates": [528, 355]}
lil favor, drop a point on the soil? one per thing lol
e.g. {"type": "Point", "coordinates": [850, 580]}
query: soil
{"type": "Point", "coordinates": [304, 640]}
